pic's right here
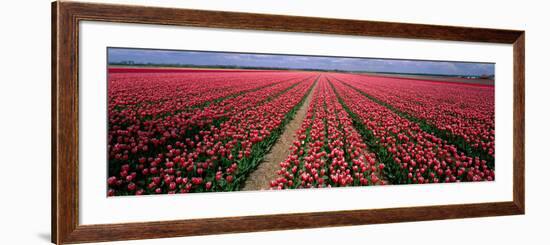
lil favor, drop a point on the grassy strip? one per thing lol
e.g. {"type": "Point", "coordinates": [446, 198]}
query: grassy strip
{"type": "Point", "coordinates": [392, 171]}
{"type": "Point", "coordinates": [259, 150]}
{"type": "Point", "coordinates": [459, 142]}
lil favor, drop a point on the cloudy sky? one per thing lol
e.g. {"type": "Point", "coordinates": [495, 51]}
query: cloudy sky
{"type": "Point", "coordinates": [297, 62]}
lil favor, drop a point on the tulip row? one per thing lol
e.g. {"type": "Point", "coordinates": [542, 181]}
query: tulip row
{"type": "Point", "coordinates": [350, 156]}
{"type": "Point", "coordinates": [328, 151]}
{"type": "Point", "coordinates": [203, 149]}
{"type": "Point", "coordinates": [412, 155]}
{"type": "Point", "coordinates": [459, 113]}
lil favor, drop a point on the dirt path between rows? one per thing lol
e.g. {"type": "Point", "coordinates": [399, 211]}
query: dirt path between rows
{"type": "Point", "coordinates": [267, 170]}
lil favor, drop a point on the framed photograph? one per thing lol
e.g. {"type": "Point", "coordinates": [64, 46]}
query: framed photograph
{"type": "Point", "coordinates": [176, 122]}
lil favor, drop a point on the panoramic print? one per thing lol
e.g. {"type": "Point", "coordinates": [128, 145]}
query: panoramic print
{"type": "Point", "coordinates": [196, 121]}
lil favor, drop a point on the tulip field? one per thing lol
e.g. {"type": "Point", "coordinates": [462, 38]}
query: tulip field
{"type": "Point", "coordinates": [176, 130]}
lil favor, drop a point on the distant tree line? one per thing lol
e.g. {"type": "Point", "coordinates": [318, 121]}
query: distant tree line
{"type": "Point", "coordinates": [132, 63]}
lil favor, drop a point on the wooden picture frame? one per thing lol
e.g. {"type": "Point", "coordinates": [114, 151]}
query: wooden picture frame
{"type": "Point", "coordinates": [65, 121]}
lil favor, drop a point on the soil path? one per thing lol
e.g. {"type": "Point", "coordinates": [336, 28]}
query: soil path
{"type": "Point", "coordinates": [267, 170]}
